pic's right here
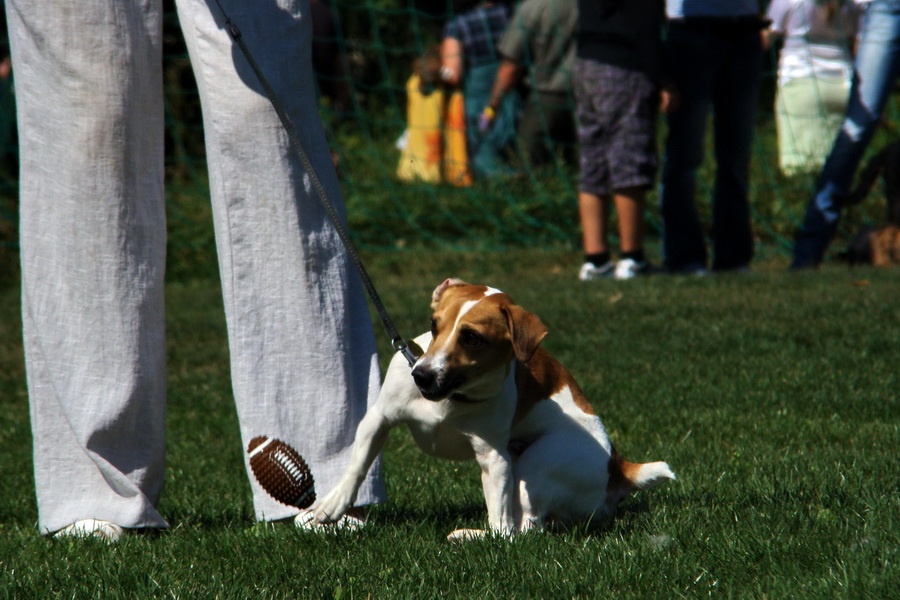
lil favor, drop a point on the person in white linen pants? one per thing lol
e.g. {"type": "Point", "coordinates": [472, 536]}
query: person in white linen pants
{"type": "Point", "coordinates": [303, 362]}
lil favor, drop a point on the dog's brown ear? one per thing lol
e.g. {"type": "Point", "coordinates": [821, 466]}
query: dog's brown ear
{"type": "Point", "coordinates": [526, 331]}
{"type": "Point", "coordinates": [439, 290]}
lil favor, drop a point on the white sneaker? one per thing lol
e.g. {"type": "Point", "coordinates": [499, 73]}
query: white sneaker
{"type": "Point", "coordinates": [306, 519]}
{"type": "Point", "coordinates": [591, 271]}
{"type": "Point", "coordinates": [86, 528]}
{"type": "Point", "coordinates": [628, 268]}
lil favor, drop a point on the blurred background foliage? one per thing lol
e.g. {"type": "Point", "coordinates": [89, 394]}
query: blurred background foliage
{"type": "Point", "coordinates": [377, 41]}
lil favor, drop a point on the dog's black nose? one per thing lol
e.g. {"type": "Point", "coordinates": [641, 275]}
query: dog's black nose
{"type": "Point", "coordinates": [424, 378]}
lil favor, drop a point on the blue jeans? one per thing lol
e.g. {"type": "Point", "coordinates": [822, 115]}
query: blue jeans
{"type": "Point", "coordinates": [875, 70]}
{"type": "Point", "coordinates": [714, 67]}
{"type": "Point", "coordinates": [486, 149]}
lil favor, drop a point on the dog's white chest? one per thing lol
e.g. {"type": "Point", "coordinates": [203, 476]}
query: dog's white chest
{"type": "Point", "coordinates": [446, 429]}
{"type": "Point", "coordinates": [441, 440]}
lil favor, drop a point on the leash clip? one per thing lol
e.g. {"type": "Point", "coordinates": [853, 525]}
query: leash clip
{"type": "Point", "coordinates": [402, 347]}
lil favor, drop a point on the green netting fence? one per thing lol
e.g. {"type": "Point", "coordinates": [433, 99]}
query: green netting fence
{"type": "Point", "coordinates": [377, 42]}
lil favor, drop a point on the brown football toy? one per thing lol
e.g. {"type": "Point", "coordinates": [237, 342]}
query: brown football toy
{"type": "Point", "coordinates": [281, 471]}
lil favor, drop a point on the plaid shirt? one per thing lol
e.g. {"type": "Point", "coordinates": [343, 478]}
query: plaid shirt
{"type": "Point", "coordinates": [479, 31]}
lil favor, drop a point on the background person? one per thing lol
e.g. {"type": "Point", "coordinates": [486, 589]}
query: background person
{"type": "Point", "coordinates": [7, 100]}
{"type": "Point", "coordinates": [328, 63]}
{"type": "Point", "coordinates": [93, 241]}
{"type": "Point", "coordinates": [713, 62]}
{"type": "Point", "coordinates": [469, 59]}
{"type": "Point", "coordinates": [617, 97]}
{"type": "Point", "coordinates": [539, 45]}
{"type": "Point", "coordinates": [814, 68]}
{"type": "Point", "coordinates": [875, 70]}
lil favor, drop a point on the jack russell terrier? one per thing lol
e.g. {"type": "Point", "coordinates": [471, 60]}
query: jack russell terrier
{"type": "Point", "coordinates": [484, 389]}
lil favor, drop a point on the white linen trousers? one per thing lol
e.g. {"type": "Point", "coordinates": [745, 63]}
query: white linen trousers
{"type": "Point", "coordinates": [89, 88]}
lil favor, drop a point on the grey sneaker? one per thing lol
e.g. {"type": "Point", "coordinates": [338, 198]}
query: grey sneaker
{"type": "Point", "coordinates": [86, 528]}
{"type": "Point", "coordinates": [628, 268]}
{"type": "Point", "coordinates": [591, 271]}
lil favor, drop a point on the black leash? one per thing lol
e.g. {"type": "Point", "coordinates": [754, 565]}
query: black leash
{"type": "Point", "coordinates": [397, 340]}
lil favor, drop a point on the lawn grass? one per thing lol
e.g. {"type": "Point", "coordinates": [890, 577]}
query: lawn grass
{"type": "Point", "coordinates": [774, 396]}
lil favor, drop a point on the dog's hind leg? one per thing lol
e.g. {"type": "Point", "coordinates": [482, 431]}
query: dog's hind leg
{"type": "Point", "coordinates": [562, 476]}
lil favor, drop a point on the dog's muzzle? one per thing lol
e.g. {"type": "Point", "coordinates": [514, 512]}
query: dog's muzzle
{"type": "Point", "coordinates": [431, 383]}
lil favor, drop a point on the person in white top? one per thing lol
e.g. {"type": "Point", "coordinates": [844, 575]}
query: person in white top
{"type": "Point", "coordinates": [815, 66]}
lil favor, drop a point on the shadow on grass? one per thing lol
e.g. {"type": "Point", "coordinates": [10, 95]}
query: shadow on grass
{"type": "Point", "coordinates": [628, 518]}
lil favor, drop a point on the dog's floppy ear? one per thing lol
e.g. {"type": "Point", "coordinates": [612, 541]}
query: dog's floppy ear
{"type": "Point", "coordinates": [439, 290]}
{"type": "Point", "coordinates": [526, 331]}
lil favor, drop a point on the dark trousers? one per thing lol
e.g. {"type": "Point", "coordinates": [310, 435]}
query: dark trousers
{"type": "Point", "coordinates": [715, 67]}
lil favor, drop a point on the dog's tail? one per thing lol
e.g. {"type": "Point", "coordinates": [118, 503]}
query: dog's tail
{"type": "Point", "coordinates": [625, 476]}
{"type": "Point", "coordinates": [644, 476]}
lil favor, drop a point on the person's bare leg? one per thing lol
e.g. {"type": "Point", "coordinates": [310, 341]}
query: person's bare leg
{"type": "Point", "coordinates": [630, 208]}
{"type": "Point", "coordinates": [594, 213]}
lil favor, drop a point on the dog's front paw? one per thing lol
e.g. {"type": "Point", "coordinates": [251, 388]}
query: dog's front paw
{"type": "Point", "coordinates": [466, 535]}
{"type": "Point", "coordinates": [334, 505]}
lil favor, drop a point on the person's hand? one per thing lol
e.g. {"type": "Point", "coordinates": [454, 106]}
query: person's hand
{"type": "Point", "coordinates": [668, 100]}
{"type": "Point", "coordinates": [486, 119]}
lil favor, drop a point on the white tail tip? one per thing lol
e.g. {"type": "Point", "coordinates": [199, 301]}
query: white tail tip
{"type": "Point", "coordinates": [650, 475]}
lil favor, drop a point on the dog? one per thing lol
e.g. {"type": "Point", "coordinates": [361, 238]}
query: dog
{"type": "Point", "coordinates": [484, 389]}
{"type": "Point", "coordinates": [879, 246]}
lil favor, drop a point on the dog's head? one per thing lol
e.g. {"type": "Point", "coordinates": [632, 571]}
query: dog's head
{"type": "Point", "coordinates": [476, 332]}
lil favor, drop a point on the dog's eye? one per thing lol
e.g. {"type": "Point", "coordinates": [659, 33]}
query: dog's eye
{"type": "Point", "coordinates": [470, 339]}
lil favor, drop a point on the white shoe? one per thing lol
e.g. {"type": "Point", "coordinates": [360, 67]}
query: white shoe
{"type": "Point", "coordinates": [86, 528]}
{"type": "Point", "coordinates": [306, 519]}
{"type": "Point", "coordinates": [628, 268]}
{"type": "Point", "coordinates": [591, 271]}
